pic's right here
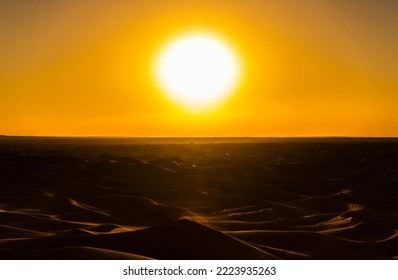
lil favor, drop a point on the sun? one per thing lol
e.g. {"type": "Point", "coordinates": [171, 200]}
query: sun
{"type": "Point", "coordinates": [197, 71]}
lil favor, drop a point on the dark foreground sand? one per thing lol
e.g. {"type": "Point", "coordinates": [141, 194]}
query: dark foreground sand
{"type": "Point", "coordinates": [308, 200]}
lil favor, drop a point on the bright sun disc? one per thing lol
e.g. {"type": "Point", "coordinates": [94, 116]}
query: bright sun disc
{"type": "Point", "coordinates": [197, 71]}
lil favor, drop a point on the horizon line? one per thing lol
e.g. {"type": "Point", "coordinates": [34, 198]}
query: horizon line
{"type": "Point", "coordinates": [157, 137]}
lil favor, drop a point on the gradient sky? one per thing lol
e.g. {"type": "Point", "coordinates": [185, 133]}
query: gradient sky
{"type": "Point", "coordinates": [311, 67]}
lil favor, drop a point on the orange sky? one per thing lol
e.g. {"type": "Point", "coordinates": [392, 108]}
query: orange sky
{"type": "Point", "coordinates": [311, 68]}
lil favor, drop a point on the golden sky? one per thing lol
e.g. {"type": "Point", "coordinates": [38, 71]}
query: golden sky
{"type": "Point", "coordinates": [311, 67]}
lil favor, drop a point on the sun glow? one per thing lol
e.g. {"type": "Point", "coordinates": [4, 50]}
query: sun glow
{"type": "Point", "coordinates": [197, 72]}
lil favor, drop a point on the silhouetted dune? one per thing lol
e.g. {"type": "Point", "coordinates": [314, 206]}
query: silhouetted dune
{"type": "Point", "coordinates": [311, 199]}
{"type": "Point", "coordinates": [183, 239]}
{"type": "Point", "coordinates": [68, 253]}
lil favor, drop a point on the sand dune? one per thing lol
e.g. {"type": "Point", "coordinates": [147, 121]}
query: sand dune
{"type": "Point", "coordinates": [325, 200]}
